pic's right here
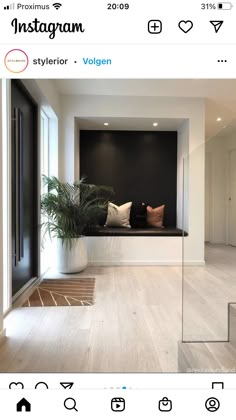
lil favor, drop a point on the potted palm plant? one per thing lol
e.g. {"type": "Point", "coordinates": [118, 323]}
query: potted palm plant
{"type": "Point", "coordinates": [69, 210]}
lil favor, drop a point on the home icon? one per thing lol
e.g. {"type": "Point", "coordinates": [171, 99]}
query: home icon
{"type": "Point", "coordinates": [23, 405]}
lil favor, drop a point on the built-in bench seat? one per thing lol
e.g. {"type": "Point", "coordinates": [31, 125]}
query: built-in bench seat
{"type": "Point", "coordinates": [112, 231]}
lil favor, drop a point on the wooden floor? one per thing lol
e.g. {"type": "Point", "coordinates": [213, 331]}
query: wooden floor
{"type": "Point", "coordinates": [134, 326]}
{"type": "Point", "coordinates": [207, 292]}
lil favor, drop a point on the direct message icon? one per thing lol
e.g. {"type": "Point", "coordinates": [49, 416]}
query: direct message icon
{"type": "Point", "coordinates": [165, 404]}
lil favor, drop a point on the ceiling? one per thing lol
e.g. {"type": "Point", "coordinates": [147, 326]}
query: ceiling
{"type": "Point", "coordinates": [220, 97]}
{"type": "Point", "coordinates": [133, 124]}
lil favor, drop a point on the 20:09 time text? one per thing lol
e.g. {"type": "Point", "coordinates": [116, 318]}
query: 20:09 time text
{"type": "Point", "coordinates": [117, 6]}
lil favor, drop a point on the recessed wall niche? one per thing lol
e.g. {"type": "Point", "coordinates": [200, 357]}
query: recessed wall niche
{"type": "Point", "coordinates": [141, 166]}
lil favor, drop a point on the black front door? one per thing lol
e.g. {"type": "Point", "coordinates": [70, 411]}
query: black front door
{"type": "Point", "coordinates": [24, 187]}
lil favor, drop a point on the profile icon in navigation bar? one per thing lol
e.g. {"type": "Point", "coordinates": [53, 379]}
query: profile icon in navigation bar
{"type": "Point", "coordinates": [212, 404]}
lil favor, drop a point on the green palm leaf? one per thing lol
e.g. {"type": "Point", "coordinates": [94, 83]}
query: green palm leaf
{"type": "Point", "coordinates": [71, 209]}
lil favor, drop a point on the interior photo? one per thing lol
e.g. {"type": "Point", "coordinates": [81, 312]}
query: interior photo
{"type": "Point", "coordinates": [117, 225]}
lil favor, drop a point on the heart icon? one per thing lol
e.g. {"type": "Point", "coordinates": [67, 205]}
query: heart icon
{"type": "Point", "coordinates": [185, 25]}
{"type": "Point", "coordinates": [16, 385]}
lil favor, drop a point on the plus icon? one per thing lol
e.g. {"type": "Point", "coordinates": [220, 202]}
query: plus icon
{"type": "Point", "coordinates": [155, 26]}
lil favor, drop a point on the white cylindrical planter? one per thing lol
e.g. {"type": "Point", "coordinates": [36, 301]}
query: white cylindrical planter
{"type": "Point", "coordinates": [72, 256]}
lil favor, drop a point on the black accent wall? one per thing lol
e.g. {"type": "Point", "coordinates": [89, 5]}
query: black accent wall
{"type": "Point", "coordinates": [141, 166]}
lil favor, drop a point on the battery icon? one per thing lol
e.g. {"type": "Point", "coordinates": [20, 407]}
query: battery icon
{"type": "Point", "coordinates": [224, 6]}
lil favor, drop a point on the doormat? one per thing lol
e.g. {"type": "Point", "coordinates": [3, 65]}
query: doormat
{"type": "Point", "coordinates": [63, 292]}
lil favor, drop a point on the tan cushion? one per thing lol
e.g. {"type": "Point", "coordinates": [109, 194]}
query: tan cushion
{"type": "Point", "coordinates": [118, 216]}
{"type": "Point", "coordinates": [155, 216]}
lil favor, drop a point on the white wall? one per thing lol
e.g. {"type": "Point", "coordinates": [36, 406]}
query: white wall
{"type": "Point", "coordinates": [217, 150]}
{"type": "Point", "coordinates": [135, 250]}
{"type": "Point", "coordinates": [67, 147]}
{"type": "Point", "coordinates": [208, 197]}
{"type": "Point", "coordinates": [182, 176]}
{"type": "Point", "coordinates": [76, 156]}
{"type": "Point", "coordinates": [191, 109]}
{"type": "Point", "coordinates": [53, 147]}
{"type": "Point", "coordinates": [45, 93]}
{"type": "Point", "coordinates": [1, 216]}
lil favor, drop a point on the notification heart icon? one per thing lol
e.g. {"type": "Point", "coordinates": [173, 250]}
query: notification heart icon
{"type": "Point", "coordinates": [15, 385]}
{"type": "Point", "coordinates": [185, 25]}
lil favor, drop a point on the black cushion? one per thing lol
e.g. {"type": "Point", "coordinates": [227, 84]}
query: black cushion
{"type": "Point", "coordinates": [138, 215]}
{"type": "Point", "coordinates": [120, 231]}
{"type": "Point", "coordinates": [103, 216]}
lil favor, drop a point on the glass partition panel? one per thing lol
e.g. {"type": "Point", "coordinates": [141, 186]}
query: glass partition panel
{"type": "Point", "coordinates": [209, 246]}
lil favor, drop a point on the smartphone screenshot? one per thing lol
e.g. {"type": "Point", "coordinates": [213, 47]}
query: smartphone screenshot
{"type": "Point", "coordinates": [117, 209]}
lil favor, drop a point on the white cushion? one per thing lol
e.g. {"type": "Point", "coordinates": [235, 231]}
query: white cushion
{"type": "Point", "coordinates": [118, 216]}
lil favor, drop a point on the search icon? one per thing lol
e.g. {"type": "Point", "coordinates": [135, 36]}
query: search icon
{"type": "Point", "coordinates": [70, 404]}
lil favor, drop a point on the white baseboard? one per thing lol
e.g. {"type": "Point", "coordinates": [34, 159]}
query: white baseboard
{"type": "Point", "coordinates": [145, 263]}
{"type": "Point", "coordinates": [195, 263]}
